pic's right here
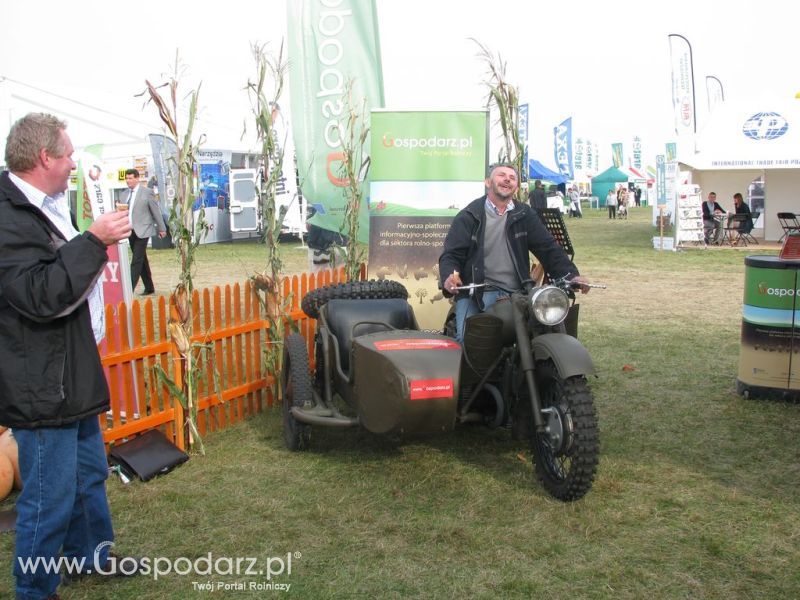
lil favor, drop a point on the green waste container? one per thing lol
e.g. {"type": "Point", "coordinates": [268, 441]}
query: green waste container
{"type": "Point", "coordinates": [769, 357]}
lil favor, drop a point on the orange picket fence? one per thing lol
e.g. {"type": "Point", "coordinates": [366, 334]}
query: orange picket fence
{"type": "Point", "coordinates": [231, 331]}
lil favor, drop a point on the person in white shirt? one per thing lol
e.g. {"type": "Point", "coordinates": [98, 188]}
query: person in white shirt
{"type": "Point", "coordinates": [52, 384]}
{"type": "Point", "coordinates": [611, 203]}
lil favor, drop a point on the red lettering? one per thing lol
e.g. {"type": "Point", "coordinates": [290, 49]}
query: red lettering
{"type": "Point", "coordinates": [86, 205]}
{"type": "Point", "coordinates": [332, 158]}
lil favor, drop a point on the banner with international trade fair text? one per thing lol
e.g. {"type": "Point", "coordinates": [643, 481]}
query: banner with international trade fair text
{"type": "Point", "coordinates": [426, 166]}
{"type": "Point", "coordinates": [331, 43]}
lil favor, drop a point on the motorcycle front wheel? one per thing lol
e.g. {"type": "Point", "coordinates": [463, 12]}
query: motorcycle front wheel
{"type": "Point", "coordinates": [567, 454]}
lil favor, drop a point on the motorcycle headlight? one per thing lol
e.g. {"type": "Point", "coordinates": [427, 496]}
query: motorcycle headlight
{"type": "Point", "coordinates": [550, 305]}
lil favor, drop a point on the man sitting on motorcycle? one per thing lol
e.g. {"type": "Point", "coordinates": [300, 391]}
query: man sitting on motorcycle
{"type": "Point", "coordinates": [489, 243]}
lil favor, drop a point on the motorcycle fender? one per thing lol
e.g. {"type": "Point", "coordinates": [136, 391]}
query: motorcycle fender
{"type": "Point", "coordinates": [568, 354]}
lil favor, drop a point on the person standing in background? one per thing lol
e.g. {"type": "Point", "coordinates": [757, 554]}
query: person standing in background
{"type": "Point", "coordinates": [538, 198]}
{"type": "Point", "coordinates": [574, 202]}
{"type": "Point", "coordinates": [146, 221]}
{"type": "Point", "coordinates": [611, 203]}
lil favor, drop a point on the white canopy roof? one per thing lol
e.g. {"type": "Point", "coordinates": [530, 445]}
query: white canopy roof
{"type": "Point", "coordinates": [755, 135]}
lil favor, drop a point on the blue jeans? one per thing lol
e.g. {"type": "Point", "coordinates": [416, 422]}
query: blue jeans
{"type": "Point", "coordinates": [63, 502]}
{"type": "Point", "coordinates": [466, 307]}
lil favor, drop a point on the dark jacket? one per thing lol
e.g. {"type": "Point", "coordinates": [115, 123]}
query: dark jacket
{"type": "Point", "coordinates": [538, 198]}
{"type": "Point", "coordinates": [744, 209]}
{"type": "Point", "coordinates": [50, 371]}
{"type": "Point", "coordinates": [709, 214]}
{"type": "Point", "coordinates": [525, 232]}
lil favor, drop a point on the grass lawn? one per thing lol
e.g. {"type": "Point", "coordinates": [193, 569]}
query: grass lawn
{"type": "Point", "coordinates": [696, 496]}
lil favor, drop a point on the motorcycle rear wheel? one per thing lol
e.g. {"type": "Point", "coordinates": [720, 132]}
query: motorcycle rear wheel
{"type": "Point", "coordinates": [297, 391]}
{"type": "Point", "coordinates": [567, 455]}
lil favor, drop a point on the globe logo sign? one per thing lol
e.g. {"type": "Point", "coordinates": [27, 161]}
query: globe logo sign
{"type": "Point", "coordinates": [765, 126]}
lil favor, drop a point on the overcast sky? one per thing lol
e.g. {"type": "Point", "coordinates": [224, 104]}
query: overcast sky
{"type": "Point", "coordinates": [606, 65]}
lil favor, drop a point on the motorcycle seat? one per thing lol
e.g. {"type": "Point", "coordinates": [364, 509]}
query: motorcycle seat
{"type": "Point", "coordinates": [348, 319]}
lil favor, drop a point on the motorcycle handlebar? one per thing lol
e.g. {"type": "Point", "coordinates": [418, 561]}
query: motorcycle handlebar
{"type": "Point", "coordinates": [527, 285]}
{"type": "Point", "coordinates": [579, 284]}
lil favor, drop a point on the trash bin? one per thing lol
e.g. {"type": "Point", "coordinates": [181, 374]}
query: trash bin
{"type": "Point", "coordinates": [769, 357]}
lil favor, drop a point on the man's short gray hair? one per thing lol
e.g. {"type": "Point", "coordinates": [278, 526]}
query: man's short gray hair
{"type": "Point", "coordinates": [28, 136]}
{"type": "Point", "coordinates": [501, 164]}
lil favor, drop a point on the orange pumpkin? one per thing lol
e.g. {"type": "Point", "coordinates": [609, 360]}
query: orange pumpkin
{"type": "Point", "coordinates": [6, 476]}
{"type": "Point", "coordinates": [8, 448]}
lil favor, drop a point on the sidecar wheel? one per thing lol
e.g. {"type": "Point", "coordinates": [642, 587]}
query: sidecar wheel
{"type": "Point", "coordinates": [567, 455]}
{"type": "Point", "coordinates": [296, 385]}
{"type": "Point", "coordinates": [314, 300]}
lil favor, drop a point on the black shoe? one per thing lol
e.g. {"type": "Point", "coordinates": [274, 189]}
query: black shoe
{"type": "Point", "coordinates": [147, 293]}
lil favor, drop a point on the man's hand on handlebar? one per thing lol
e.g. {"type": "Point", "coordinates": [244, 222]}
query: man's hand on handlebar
{"type": "Point", "coordinates": [452, 282]}
{"type": "Point", "coordinates": [581, 283]}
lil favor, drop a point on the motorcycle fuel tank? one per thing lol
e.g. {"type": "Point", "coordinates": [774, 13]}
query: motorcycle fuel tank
{"type": "Point", "coordinates": [406, 381]}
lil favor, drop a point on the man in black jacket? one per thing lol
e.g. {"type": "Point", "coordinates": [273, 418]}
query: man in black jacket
{"type": "Point", "coordinates": [52, 385]}
{"type": "Point", "coordinates": [713, 219]}
{"type": "Point", "coordinates": [489, 242]}
{"type": "Point", "coordinates": [538, 198]}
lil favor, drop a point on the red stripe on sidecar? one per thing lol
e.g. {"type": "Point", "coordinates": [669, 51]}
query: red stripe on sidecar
{"type": "Point", "coordinates": [416, 344]}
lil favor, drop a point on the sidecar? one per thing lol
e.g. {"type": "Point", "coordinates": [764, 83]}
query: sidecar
{"type": "Point", "coordinates": [373, 368]}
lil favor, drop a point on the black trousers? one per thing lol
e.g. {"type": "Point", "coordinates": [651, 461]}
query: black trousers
{"type": "Point", "coordinates": [140, 267]}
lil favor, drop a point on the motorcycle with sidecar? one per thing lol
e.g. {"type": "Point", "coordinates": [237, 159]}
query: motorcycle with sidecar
{"type": "Point", "coordinates": [518, 366]}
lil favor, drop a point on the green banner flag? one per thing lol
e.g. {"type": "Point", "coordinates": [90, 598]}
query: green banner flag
{"type": "Point", "coordinates": [330, 42]}
{"type": "Point", "coordinates": [616, 154]}
{"type": "Point", "coordinates": [90, 156]}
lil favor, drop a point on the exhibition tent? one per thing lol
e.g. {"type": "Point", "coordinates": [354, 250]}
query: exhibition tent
{"type": "Point", "coordinates": [633, 174]}
{"type": "Point", "coordinates": [537, 170]}
{"type": "Point", "coordinates": [607, 180]}
{"type": "Point", "coordinates": [743, 141]}
{"type": "Point", "coordinates": [112, 119]}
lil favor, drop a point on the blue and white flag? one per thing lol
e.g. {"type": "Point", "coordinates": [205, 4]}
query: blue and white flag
{"type": "Point", "coordinates": [522, 128]}
{"type": "Point", "coordinates": [563, 148]}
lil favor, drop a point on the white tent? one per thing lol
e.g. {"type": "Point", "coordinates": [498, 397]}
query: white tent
{"type": "Point", "coordinates": [109, 119]}
{"type": "Point", "coordinates": [744, 141]}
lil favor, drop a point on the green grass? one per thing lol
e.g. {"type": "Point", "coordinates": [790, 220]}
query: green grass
{"type": "Point", "coordinates": [696, 495]}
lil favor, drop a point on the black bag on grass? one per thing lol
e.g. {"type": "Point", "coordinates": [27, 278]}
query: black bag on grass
{"type": "Point", "coordinates": [147, 455]}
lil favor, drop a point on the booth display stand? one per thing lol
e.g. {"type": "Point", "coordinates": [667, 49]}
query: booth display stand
{"type": "Point", "coordinates": [689, 216]}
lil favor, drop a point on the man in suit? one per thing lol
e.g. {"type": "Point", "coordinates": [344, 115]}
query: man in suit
{"type": "Point", "coordinates": [146, 221]}
{"type": "Point", "coordinates": [713, 216]}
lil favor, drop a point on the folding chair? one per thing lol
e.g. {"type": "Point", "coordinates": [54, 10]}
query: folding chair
{"type": "Point", "coordinates": [789, 223]}
{"type": "Point", "coordinates": [747, 234]}
{"type": "Point", "coordinates": [734, 232]}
